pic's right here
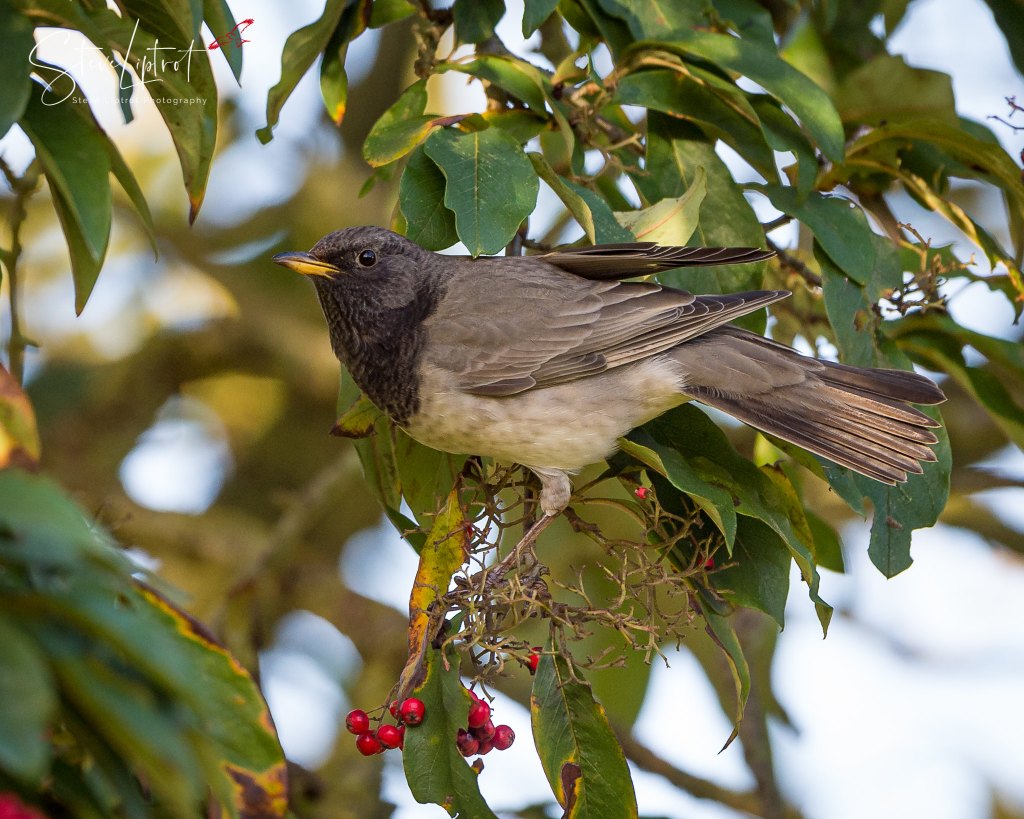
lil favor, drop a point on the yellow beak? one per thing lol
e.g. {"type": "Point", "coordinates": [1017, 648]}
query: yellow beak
{"type": "Point", "coordinates": [305, 264]}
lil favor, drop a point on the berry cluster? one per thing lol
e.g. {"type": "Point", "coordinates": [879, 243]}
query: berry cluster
{"type": "Point", "coordinates": [481, 734]}
{"type": "Point", "coordinates": [408, 712]}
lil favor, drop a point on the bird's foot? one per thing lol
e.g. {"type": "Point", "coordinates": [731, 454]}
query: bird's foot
{"type": "Point", "coordinates": [523, 552]}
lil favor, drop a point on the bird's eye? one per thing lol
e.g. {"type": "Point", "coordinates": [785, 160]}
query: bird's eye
{"type": "Point", "coordinates": [367, 258]}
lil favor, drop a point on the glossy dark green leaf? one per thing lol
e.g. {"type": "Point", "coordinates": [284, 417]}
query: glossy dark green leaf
{"type": "Point", "coordinates": [475, 19]}
{"type": "Point", "coordinates": [221, 21]}
{"type": "Point", "coordinates": [695, 437]}
{"type": "Point", "coordinates": [838, 225]}
{"type": "Point", "coordinates": [1007, 14]}
{"type": "Point", "coordinates": [421, 198]}
{"type": "Point", "coordinates": [490, 185]}
{"type": "Point", "coordinates": [186, 100]}
{"type": "Point", "coordinates": [28, 703]}
{"type": "Point", "coordinates": [811, 105]}
{"type": "Point", "coordinates": [427, 476]}
{"type": "Point", "coordinates": [783, 134]}
{"type": "Point", "coordinates": [520, 79]}
{"type": "Point", "coordinates": [434, 768]}
{"type": "Point", "coordinates": [333, 79]}
{"type": "Point", "coordinates": [581, 757]}
{"type": "Point", "coordinates": [300, 52]}
{"type": "Point", "coordinates": [16, 44]}
{"type": "Point", "coordinates": [898, 510]}
{"type": "Point", "coordinates": [678, 95]}
{"type": "Point", "coordinates": [657, 19]}
{"type": "Point", "coordinates": [74, 158]}
{"type": "Point", "coordinates": [535, 13]}
{"type": "Point", "coordinates": [866, 95]}
{"type": "Point", "coordinates": [757, 574]}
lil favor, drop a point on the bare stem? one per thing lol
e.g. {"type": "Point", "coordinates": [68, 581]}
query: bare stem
{"type": "Point", "coordinates": [22, 187]}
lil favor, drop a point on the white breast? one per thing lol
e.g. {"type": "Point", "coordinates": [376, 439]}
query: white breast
{"type": "Point", "coordinates": [566, 426]}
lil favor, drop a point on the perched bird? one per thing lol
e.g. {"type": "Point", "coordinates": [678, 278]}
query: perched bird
{"type": "Point", "coordinates": [548, 360]}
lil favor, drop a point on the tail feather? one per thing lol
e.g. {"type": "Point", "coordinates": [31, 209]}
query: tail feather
{"type": "Point", "coordinates": [858, 418]}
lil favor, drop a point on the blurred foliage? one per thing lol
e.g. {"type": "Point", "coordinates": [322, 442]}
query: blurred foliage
{"type": "Point", "coordinates": [105, 672]}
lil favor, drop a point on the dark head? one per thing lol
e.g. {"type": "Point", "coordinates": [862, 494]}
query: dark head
{"type": "Point", "coordinates": [375, 288]}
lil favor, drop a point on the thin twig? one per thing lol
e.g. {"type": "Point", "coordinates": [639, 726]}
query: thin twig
{"type": "Point", "coordinates": [23, 187]}
{"type": "Point", "coordinates": [795, 264]}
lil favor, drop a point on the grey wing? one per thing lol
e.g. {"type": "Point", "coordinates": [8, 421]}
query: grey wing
{"type": "Point", "coordinates": [630, 259]}
{"type": "Point", "coordinates": [497, 333]}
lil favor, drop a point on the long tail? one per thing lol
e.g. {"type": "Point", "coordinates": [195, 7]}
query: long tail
{"type": "Point", "coordinates": [859, 418]}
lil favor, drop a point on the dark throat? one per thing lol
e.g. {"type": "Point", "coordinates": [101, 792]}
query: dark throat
{"type": "Point", "coordinates": [380, 346]}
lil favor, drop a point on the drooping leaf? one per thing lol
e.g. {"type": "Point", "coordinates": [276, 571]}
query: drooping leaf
{"type": "Point", "coordinates": [434, 768]}
{"type": "Point", "coordinates": [811, 105]}
{"type": "Point", "coordinates": [490, 185]}
{"type": "Point", "coordinates": [333, 79]}
{"type": "Point", "coordinates": [16, 44]}
{"type": "Point", "coordinates": [757, 576]}
{"type": "Point", "coordinates": [574, 203]}
{"type": "Point", "coordinates": [421, 197]}
{"type": "Point", "coordinates": [74, 158]}
{"type": "Point", "coordinates": [217, 15]}
{"type": "Point", "coordinates": [606, 226]}
{"type": "Point", "coordinates": [19, 436]}
{"type": "Point", "coordinates": [535, 13]}
{"type": "Point", "coordinates": [300, 52]}
{"type": "Point", "coordinates": [866, 95]}
{"type": "Point", "coordinates": [581, 757]}
{"type": "Point", "coordinates": [475, 19]}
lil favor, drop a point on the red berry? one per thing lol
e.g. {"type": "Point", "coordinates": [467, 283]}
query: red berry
{"type": "Point", "coordinates": [641, 492]}
{"type": "Point", "coordinates": [709, 563]}
{"type": "Point", "coordinates": [389, 736]}
{"type": "Point", "coordinates": [474, 695]}
{"type": "Point", "coordinates": [368, 744]}
{"type": "Point", "coordinates": [485, 732]}
{"type": "Point", "coordinates": [393, 708]}
{"type": "Point", "coordinates": [485, 747]}
{"type": "Point", "coordinates": [412, 711]}
{"type": "Point", "coordinates": [533, 660]}
{"type": "Point", "coordinates": [357, 722]}
{"type": "Point", "coordinates": [466, 742]}
{"type": "Point", "coordinates": [503, 737]}
{"type": "Point", "coordinates": [479, 713]}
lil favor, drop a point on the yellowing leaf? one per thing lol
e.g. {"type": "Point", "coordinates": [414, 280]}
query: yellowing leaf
{"type": "Point", "coordinates": [19, 438]}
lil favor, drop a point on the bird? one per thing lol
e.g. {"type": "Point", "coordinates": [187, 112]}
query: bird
{"type": "Point", "coordinates": [547, 360]}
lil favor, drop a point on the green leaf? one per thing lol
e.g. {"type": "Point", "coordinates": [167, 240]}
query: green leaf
{"type": "Point", "coordinates": [811, 105]}
{"type": "Point", "coordinates": [399, 129]}
{"type": "Point", "coordinates": [385, 12]}
{"type": "Point", "coordinates": [490, 185]}
{"type": "Point", "coordinates": [783, 135]}
{"type": "Point", "coordinates": [535, 13]}
{"type": "Point", "coordinates": [676, 153]}
{"type": "Point", "coordinates": [606, 227]}
{"type": "Point", "coordinates": [186, 100]}
{"type": "Point", "coordinates": [670, 221]}
{"type": "Point", "coordinates": [581, 757]}
{"type": "Point", "coordinates": [518, 78]}
{"type": "Point", "coordinates": [697, 439]}
{"type": "Point", "coordinates": [234, 716]}
{"type": "Point", "coordinates": [574, 203]}
{"type": "Point", "coordinates": [421, 199]}
{"type": "Point", "coordinates": [28, 702]}
{"type": "Point", "coordinates": [218, 16]}
{"type": "Point", "coordinates": [757, 576]}
{"type": "Point", "coordinates": [838, 225]}
{"type": "Point", "coordinates": [898, 510]}
{"type": "Point", "coordinates": [679, 95]}
{"type": "Point", "coordinates": [720, 630]}
{"type": "Point", "coordinates": [866, 94]}
{"type": "Point", "coordinates": [518, 123]}
{"type": "Point", "coordinates": [749, 19]}
{"type": "Point", "coordinates": [300, 52]}
{"type": "Point", "coordinates": [74, 158]}
{"type": "Point", "coordinates": [333, 80]}
{"type": "Point", "coordinates": [16, 44]}
{"type": "Point", "coordinates": [434, 768]}
{"type": "Point", "coordinates": [475, 19]}
{"type": "Point", "coordinates": [657, 19]}
{"type": "Point", "coordinates": [427, 475]}
{"type": "Point", "coordinates": [1007, 15]}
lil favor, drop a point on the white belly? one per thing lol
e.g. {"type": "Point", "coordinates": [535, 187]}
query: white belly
{"type": "Point", "coordinates": [566, 426]}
